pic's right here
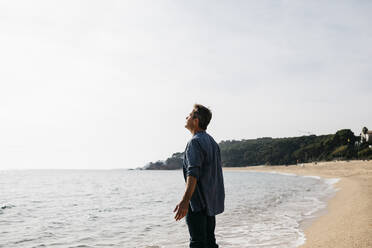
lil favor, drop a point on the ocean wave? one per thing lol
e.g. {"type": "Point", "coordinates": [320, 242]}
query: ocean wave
{"type": "Point", "coordinates": [315, 177]}
{"type": "Point", "coordinates": [281, 173]}
{"type": "Point", "coordinates": [7, 206]}
{"type": "Point", "coordinates": [332, 181]}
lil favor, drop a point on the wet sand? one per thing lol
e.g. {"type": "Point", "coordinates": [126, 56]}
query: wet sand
{"type": "Point", "coordinates": [347, 220]}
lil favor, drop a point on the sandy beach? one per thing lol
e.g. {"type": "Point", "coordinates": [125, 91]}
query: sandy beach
{"type": "Point", "coordinates": [347, 220]}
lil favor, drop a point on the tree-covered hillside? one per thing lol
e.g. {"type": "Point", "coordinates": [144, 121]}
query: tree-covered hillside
{"type": "Point", "coordinates": [342, 145]}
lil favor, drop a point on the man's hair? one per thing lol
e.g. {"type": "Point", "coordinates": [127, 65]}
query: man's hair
{"type": "Point", "coordinates": [203, 114]}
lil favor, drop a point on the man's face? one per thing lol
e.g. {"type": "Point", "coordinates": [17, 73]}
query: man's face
{"type": "Point", "coordinates": [191, 122]}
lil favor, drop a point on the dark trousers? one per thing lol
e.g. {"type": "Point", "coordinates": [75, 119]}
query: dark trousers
{"type": "Point", "coordinates": [201, 229]}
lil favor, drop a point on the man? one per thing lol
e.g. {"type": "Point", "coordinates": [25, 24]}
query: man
{"type": "Point", "coordinates": [204, 196]}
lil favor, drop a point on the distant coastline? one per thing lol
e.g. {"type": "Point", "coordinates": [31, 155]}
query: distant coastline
{"type": "Point", "coordinates": [343, 145]}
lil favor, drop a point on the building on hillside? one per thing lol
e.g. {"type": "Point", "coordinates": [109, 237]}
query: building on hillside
{"type": "Point", "coordinates": [366, 136]}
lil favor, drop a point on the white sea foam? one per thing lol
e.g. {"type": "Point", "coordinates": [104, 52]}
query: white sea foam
{"type": "Point", "coordinates": [332, 181]}
{"type": "Point", "coordinates": [315, 177]}
{"type": "Point", "coordinates": [280, 173]}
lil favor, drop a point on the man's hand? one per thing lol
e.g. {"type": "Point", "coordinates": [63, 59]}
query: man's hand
{"type": "Point", "coordinates": [181, 210]}
{"type": "Point", "coordinates": [182, 207]}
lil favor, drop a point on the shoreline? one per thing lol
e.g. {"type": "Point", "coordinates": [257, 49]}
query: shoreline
{"type": "Point", "coordinates": [347, 219]}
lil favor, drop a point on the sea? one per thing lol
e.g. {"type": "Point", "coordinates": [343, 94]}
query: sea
{"type": "Point", "coordinates": [134, 208]}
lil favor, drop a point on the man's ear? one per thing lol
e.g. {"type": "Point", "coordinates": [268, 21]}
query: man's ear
{"type": "Point", "coordinates": [196, 122]}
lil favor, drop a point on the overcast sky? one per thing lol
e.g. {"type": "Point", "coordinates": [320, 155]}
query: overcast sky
{"type": "Point", "coordinates": [108, 84]}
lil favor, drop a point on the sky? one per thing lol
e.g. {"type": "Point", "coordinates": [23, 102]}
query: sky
{"type": "Point", "coordinates": [108, 84]}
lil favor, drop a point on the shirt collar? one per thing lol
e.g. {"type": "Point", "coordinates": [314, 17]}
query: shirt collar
{"type": "Point", "coordinates": [200, 132]}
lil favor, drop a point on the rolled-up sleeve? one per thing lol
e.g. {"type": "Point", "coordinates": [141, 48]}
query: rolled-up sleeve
{"type": "Point", "coordinates": [194, 159]}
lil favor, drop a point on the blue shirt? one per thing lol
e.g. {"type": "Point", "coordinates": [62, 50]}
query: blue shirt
{"type": "Point", "coordinates": [202, 159]}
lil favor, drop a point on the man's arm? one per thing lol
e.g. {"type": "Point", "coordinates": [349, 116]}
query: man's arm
{"type": "Point", "coordinates": [182, 207]}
